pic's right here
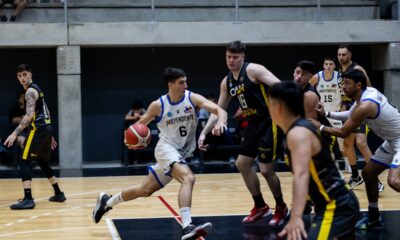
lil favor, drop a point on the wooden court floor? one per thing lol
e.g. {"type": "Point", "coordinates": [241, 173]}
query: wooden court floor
{"type": "Point", "coordinates": [214, 195]}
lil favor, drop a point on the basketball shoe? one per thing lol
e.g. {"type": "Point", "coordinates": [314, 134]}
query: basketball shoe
{"type": "Point", "coordinates": [257, 214]}
{"type": "Point", "coordinates": [101, 207]}
{"type": "Point", "coordinates": [281, 214]}
{"type": "Point", "coordinates": [192, 232]}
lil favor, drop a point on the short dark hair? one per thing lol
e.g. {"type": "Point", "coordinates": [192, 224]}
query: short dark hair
{"type": "Point", "coordinates": [289, 93]}
{"type": "Point", "coordinates": [308, 66]}
{"type": "Point", "coordinates": [137, 104]}
{"type": "Point", "coordinates": [357, 76]}
{"type": "Point", "coordinates": [236, 47]}
{"type": "Point", "coordinates": [329, 58]}
{"type": "Point", "coordinates": [347, 46]}
{"type": "Point", "coordinates": [24, 67]}
{"type": "Point", "coordinates": [171, 74]}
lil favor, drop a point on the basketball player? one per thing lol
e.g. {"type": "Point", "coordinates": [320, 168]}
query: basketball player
{"type": "Point", "coordinates": [176, 115]}
{"type": "Point", "coordinates": [38, 144]}
{"type": "Point", "coordinates": [359, 137]}
{"type": "Point", "coordinates": [314, 172]}
{"type": "Point", "coordinates": [248, 83]}
{"type": "Point", "coordinates": [372, 107]}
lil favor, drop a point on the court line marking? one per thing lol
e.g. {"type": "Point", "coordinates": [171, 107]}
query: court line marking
{"type": "Point", "coordinates": [48, 230]}
{"type": "Point", "coordinates": [119, 189]}
{"type": "Point", "coordinates": [112, 229]}
{"type": "Point", "coordinates": [174, 213]}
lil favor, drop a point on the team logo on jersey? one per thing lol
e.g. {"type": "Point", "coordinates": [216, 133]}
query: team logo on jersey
{"type": "Point", "coordinates": [188, 109]}
{"type": "Point", "coordinates": [177, 111]}
{"type": "Point", "coordinates": [334, 85]}
{"type": "Point", "coordinates": [322, 85]}
{"type": "Point", "coordinates": [169, 114]}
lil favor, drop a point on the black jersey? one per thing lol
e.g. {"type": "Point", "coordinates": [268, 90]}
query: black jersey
{"type": "Point", "coordinates": [326, 183]}
{"type": "Point", "coordinates": [251, 97]}
{"type": "Point", "coordinates": [42, 114]}
{"type": "Point", "coordinates": [348, 102]}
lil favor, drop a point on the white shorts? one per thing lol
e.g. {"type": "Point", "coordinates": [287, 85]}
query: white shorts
{"type": "Point", "coordinates": [165, 155]}
{"type": "Point", "coordinates": [388, 154]}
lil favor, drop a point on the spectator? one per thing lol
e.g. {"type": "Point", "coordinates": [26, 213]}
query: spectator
{"type": "Point", "coordinates": [16, 115]}
{"type": "Point", "coordinates": [19, 7]}
{"type": "Point", "coordinates": [241, 124]}
{"type": "Point", "coordinates": [135, 113]}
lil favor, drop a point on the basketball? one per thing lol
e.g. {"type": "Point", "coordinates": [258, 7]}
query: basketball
{"type": "Point", "coordinates": [137, 136]}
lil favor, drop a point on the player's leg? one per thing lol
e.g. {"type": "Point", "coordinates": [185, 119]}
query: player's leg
{"type": "Point", "coordinates": [19, 7]}
{"type": "Point", "coordinates": [394, 172]}
{"type": "Point", "coordinates": [350, 155]}
{"type": "Point", "coordinates": [106, 202]}
{"type": "Point", "coordinates": [270, 148]}
{"type": "Point", "coordinates": [379, 162]}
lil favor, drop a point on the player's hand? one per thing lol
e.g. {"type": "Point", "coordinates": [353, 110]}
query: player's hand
{"type": "Point", "coordinates": [294, 229]}
{"type": "Point", "coordinates": [320, 109]}
{"type": "Point", "coordinates": [10, 140]}
{"type": "Point", "coordinates": [201, 144]}
{"type": "Point", "coordinates": [53, 143]}
{"type": "Point", "coordinates": [219, 129]}
{"type": "Point", "coordinates": [316, 123]}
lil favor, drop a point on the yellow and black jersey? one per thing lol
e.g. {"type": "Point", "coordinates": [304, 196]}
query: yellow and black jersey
{"type": "Point", "coordinates": [326, 183]}
{"type": "Point", "coordinates": [42, 114]}
{"type": "Point", "coordinates": [252, 98]}
{"type": "Point", "coordinates": [348, 102]}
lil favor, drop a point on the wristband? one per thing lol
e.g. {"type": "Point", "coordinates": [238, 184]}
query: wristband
{"type": "Point", "coordinates": [321, 127]}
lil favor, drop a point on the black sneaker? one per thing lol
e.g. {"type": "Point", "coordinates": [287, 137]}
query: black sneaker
{"type": "Point", "coordinates": [23, 204]}
{"type": "Point", "coordinates": [3, 18]}
{"type": "Point", "coordinates": [101, 207]}
{"type": "Point", "coordinates": [192, 232]}
{"type": "Point", "coordinates": [365, 223]}
{"type": "Point", "coordinates": [381, 187]}
{"type": "Point", "coordinates": [354, 182]}
{"type": "Point", "coordinates": [13, 18]}
{"type": "Point", "coordinates": [58, 198]}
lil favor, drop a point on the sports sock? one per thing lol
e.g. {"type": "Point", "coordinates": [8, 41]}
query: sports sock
{"type": "Point", "coordinates": [259, 201]}
{"type": "Point", "coordinates": [114, 200]}
{"type": "Point", "coordinates": [56, 188]}
{"type": "Point", "coordinates": [28, 193]}
{"type": "Point", "coordinates": [186, 216]}
{"type": "Point", "coordinates": [373, 213]}
{"type": "Point", "coordinates": [279, 200]}
{"type": "Point", "coordinates": [354, 171]}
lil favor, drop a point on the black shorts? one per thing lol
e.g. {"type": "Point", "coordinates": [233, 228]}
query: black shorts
{"type": "Point", "coordinates": [337, 220]}
{"type": "Point", "coordinates": [38, 144]}
{"type": "Point", "coordinates": [363, 128]}
{"type": "Point", "coordinates": [262, 139]}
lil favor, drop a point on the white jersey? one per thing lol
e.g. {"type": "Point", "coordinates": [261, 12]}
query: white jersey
{"type": "Point", "coordinates": [330, 91]}
{"type": "Point", "coordinates": [178, 124]}
{"type": "Point", "coordinates": [386, 123]}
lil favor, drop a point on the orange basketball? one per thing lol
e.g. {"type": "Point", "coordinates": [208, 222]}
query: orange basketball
{"type": "Point", "coordinates": [137, 136]}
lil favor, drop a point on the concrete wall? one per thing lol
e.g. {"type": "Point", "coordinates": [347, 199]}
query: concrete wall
{"type": "Point", "coordinates": [205, 10]}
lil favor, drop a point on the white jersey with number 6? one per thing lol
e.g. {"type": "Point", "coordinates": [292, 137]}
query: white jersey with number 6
{"type": "Point", "coordinates": [178, 124]}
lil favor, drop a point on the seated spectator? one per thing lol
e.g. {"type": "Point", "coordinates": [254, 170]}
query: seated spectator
{"type": "Point", "coordinates": [19, 7]}
{"type": "Point", "coordinates": [203, 114]}
{"type": "Point", "coordinates": [16, 115]}
{"type": "Point", "coordinates": [135, 113]}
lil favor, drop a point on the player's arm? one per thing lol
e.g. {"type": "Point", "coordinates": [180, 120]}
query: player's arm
{"type": "Point", "coordinates": [223, 102]}
{"type": "Point", "coordinates": [260, 74]}
{"type": "Point", "coordinates": [153, 111]}
{"type": "Point", "coordinates": [222, 116]}
{"type": "Point", "coordinates": [31, 96]}
{"type": "Point", "coordinates": [358, 67]}
{"type": "Point", "coordinates": [314, 80]}
{"type": "Point", "coordinates": [357, 117]}
{"type": "Point", "coordinates": [310, 103]}
{"type": "Point", "coordinates": [300, 145]}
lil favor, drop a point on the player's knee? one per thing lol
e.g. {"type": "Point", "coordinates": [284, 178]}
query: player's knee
{"type": "Point", "coordinates": [361, 143]}
{"type": "Point", "coordinates": [189, 179]}
{"type": "Point", "coordinates": [268, 172]}
{"type": "Point", "coordinates": [394, 182]}
{"type": "Point", "coordinates": [242, 164]}
{"type": "Point", "coordinates": [368, 176]}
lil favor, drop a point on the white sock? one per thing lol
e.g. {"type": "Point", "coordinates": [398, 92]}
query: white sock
{"type": "Point", "coordinates": [114, 200]}
{"type": "Point", "coordinates": [186, 216]}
